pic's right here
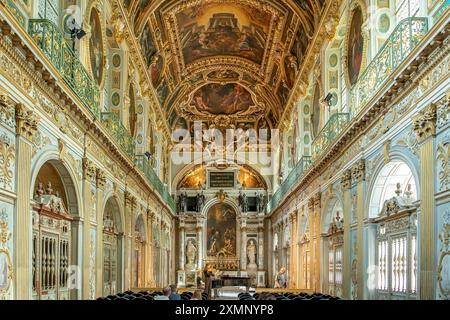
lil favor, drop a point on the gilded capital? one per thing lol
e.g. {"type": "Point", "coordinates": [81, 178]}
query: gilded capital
{"type": "Point", "coordinates": [89, 170]}
{"type": "Point", "coordinates": [359, 171]}
{"type": "Point", "coordinates": [424, 123]}
{"type": "Point", "coordinates": [311, 203]}
{"type": "Point", "coordinates": [346, 180]}
{"type": "Point", "coordinates": [26, 122]}
{"type": "Point", "coordinates": [100, 178]}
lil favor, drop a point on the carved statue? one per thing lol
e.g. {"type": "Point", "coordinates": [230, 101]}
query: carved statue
{"type": "Point", "coordinates": [200, 201]}
{"type": "Point", "coordinates": [251, 252]}
{"type": "Point", "coordinates": [182, 202]}
{"type": "Point", "coordinates": [191, 252]}
{"type": "Point", "coordinates": [244, 203]}
{"type": "Point", "coordinates": [40, 190]}
{"type": "Point", "coordinates": [240, 199]}
{"type": "Point", "coordinates": [49, 189]}
{"type": "Point", "coordinates": [258, 202]}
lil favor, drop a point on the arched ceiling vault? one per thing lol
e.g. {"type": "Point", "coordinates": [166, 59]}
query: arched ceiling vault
{"type": "Point", "coordinates": [224, 61]}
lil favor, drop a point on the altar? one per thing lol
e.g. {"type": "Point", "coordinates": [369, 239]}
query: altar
{"type": "Point", "coordinates": [222, 226]}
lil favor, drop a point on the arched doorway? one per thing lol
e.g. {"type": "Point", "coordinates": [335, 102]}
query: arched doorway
{"type": "Point", "coordinates": [112, 248]}
{"type": "Point", "coordinates": [333, 248]}
{"type": "Point", "coordinates": [393, 209]}
{"type": "Point", "coordinates": [139, 252]}
{"type": "Point", "coordinates": [55, 233]}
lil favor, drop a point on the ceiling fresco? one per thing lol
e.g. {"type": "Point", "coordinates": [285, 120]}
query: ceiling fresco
{"type": "Point", "coordinates": [224, 61]}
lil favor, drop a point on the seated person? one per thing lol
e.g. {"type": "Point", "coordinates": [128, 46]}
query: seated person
{"type": "Point", "coordinates": [197, 295]}
{"type": "Point", "coordinates": [174, 295]}
{"type": "Point", "coordinates": [166, 293]}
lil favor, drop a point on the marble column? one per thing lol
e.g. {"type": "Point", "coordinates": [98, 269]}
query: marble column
{"type": "Point", "coordinates": [181, 258]}
{"type": "Point", "coordinates": [199, 229]}
{"type": "Point", "coordinates": [359, 177]}
{"type": "Point", "coordinates": [89, 174]}
{"type": "Point", "coordinates": [149, 252]}
{"type": "Point", "coordinates": [346, 261]}
{"type": "Point", "coordinates": [424, 125]}
{"type": "Point", "coordinates": [26, 126]}
{"type": "Point", "coordinates": [101, 182]}
{"type": "Point", "coordinates": [243, 245]}
{"type": "Point", "coordinates": [128, 252]}
{"type": "Point", "coordinates": [261, 246]}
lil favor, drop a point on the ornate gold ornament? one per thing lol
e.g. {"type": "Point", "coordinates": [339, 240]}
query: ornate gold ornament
{"type": "Point", "coordinates": [26, 122]}
{"type": "Point", "coordinates": [6, 267]}
{"type": "Point", "coordinates": [443, 264]}
{"type": "Point", "coordinates": [424, 123]}
{"type": "Point", "coordinates": [221, 196]}
{"type": "Point", "coordinates": [89, 170]}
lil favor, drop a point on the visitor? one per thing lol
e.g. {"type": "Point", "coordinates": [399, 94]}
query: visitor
{"type": "Point", "coordinates": [199, 280]}
{"type": "Point", "coordinates": [280, 279]}
{"type": "Point", "coordinates": [166, 293]}
{"type": "Point", "coordinates": [197, 295]}
{"type": "Point", "coordinates": [174, 295]}
{"type": "Point", "coordinates": [208, 273]}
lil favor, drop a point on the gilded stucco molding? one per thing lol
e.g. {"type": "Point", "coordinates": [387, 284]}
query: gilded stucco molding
{"type": "Point", "coordinates": [424, 123]}
{"type": "Point", "coordinates": [26, 122]}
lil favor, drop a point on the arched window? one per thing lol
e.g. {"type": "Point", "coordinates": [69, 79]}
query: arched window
{"type": "Point", "coordinates": [53, 246]}
{"type": "Point", "coordinates": [139, 252]}
{"type": "Point", "coordinates": [334, 247]}
{"type": "Point", "coordinates": [393, 208]}
{"type": "Point", "coordinates": [111, 248]}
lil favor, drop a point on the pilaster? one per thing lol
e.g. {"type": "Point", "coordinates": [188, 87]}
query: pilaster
{"type": "Point", "coordinates": [26, 126]}
{"type": "Point", "coordinates": [346, 261]}
{"type": "Point", "coordinates": [424, 125]}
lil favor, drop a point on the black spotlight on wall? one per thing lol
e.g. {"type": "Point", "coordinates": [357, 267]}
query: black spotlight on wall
{"type": "Point", "coordinates": [148, 155]}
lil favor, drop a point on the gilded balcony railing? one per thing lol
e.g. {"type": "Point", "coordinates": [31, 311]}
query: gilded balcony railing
{"type": "Point", "coordinates": [397, 47]}
{"type": "Point", "coordinates": [53, 44]}
{"type": "Point", "coordinates": [12, 7]}
{"type": "Point", "coordinates": [120, 134]}
{"type": "Point", "coordinates": [144, 164]}
{"type": "Point", "coordinates": [293, 177]}
{"type": "Point", "coordinates": [328, 134]}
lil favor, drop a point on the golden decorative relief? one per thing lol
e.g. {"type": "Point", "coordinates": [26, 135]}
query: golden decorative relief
{"type": "Point", "coordinates": [7, 157]}
{"type": "Point", "coordinates": [444, 259]}
{"type": "Point", "coordinates": [26, 122]}
{"type": "Point", "coordinates": [424, 123]}
{"type": "Point", "coordinates": [443, 157]}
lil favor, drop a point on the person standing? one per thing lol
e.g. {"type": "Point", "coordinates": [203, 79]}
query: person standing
{"type": "Point", "coordinates": [208, 273]}
{"type": "Point", "coordinates": [174, 295]}
{"type": "Point", "coordinates": [281, 279]}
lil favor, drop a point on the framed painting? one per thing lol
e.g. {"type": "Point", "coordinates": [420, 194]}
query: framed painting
{"type": "Point", "coordinates": [96, 49]}
{"type": "Point", "coordinates": [355, 48]}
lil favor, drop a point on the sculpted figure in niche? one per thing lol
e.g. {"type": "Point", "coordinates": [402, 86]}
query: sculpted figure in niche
{"type": "Point", "coordinates": [251, 252]}
{"type": "Point", "coordinates": [191, 252]}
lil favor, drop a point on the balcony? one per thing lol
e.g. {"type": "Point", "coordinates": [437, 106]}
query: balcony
{"type": "Point", "coordinates": [328, 134]}
{"type": "Point", "coordinates": [397, 47]}
{"type": "Point", "coordinates": [143, 163]}
{"type": "Point", "coordinates": [120, 134]}
{"type": "Point", "coordinates": [51, 41]}
{"type": "Point", "coordinates": [293, 177]}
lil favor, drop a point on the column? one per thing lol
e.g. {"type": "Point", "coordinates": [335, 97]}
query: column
{"type": "Point", "coordinates": [182, 246]}
{"type": "Point", "coordinates": [424, 125]}
{"type": "Point", "coordinates": [101, 182]}
{"type": "Point", "coordinates": [312, 254]}
{"type": "Point", "coordinates": [128, 252]}
{"type": "Point", "coordinates": [346, 263]}
{"type": "Point", "coordinates": [199, 229]}
{"type": "Point", "coordinates": [317, 223]}
{"type": "Point", "coordinates": [294, 260]}
{"type": "Point", "coordinates": [261, 246]}
{"type": "Point", "coordinates": [26, 126]}
{"type": "Point", "coordinates": [149, 254]}
{"type": "Point", "coordinates": [89, 174]}
{"type": "Point", "coordinates": [359, 177]}
{"type": "Point", "coordinates": [243, 245]}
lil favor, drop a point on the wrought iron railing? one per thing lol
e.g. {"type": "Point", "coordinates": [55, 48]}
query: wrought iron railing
{"type": "Point", "coordinates": [12, 7]}
{"type": "Point", "coordinates": [328, 134]}
{"type": "Point", "coordinates": [293, 177]}
{"type": "Point", "coordinates": [50, 40]}
{"type": "Point", "coordinates": [397, 47]}
{"type": "Point", "coordinates": [144, 164]}
{"type": "Point", "coordinates": [120, 134]}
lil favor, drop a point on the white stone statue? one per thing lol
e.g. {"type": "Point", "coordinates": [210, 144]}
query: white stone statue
{"type": "Point", "coordinates": [251, 253]}
{"type": "Point", "coordinates": [191, 252]}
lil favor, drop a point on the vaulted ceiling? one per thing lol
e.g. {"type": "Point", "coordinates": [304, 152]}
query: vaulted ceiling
{"type": "Point", "coordinates": [224, 62]}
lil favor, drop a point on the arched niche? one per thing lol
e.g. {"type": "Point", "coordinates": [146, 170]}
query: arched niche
{"type": "Point", "coordinates": [55, 229]}
{"type": "Point", "coordinates": [140, 241]}
{"type": "Point", "coordinates": [385, 185]}
{"type": "Point", "coordinates": [112, 248]}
